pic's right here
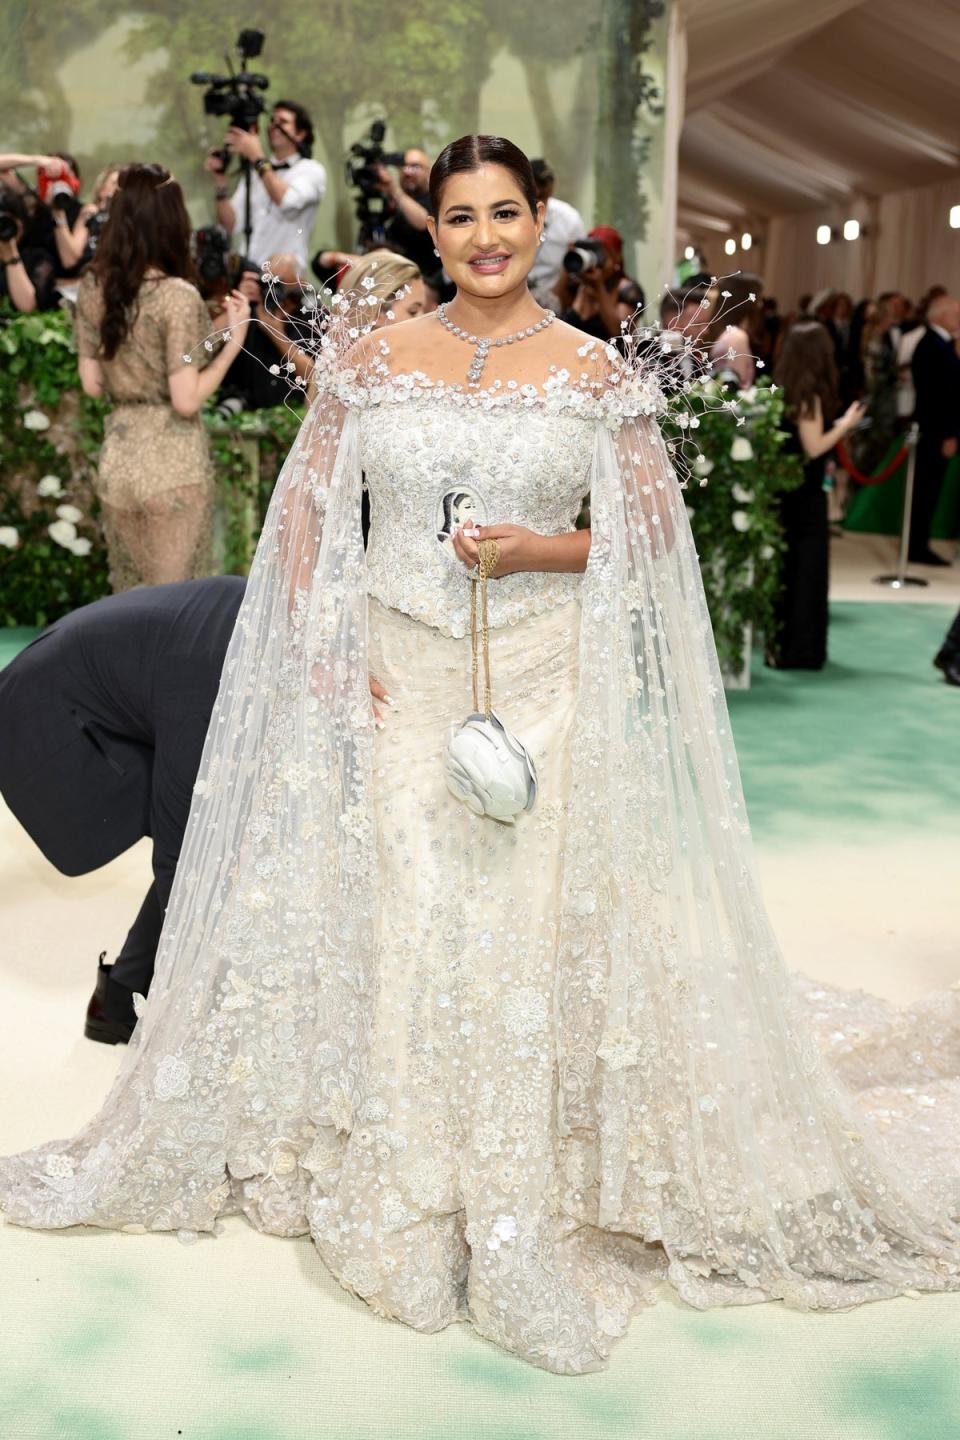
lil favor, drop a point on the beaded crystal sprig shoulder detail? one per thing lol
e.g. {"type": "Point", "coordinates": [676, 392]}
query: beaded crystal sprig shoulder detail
{"type": "Point", "coordinates": [484, 343]}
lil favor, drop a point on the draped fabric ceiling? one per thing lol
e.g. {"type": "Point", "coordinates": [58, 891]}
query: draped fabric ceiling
{"type": "Point", "coordinates": [797, 107]}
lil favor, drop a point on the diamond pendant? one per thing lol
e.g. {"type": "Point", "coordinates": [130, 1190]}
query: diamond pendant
{"type": "Point", "coordinates": [477, 364]}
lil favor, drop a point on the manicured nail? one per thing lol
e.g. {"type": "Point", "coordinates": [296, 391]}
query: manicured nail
{"type": "Point", "coordinates": [389, 699]}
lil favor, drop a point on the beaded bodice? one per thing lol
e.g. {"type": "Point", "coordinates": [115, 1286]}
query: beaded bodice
{"type": "Point", "coordinates": [433, 464]}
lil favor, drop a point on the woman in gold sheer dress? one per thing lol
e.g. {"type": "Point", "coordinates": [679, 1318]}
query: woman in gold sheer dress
{"type": "Point", "coordinates": [140, 325]}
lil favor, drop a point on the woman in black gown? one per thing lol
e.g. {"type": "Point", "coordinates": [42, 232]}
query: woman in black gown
{"type": "Point", "coordinates": [807, 373]}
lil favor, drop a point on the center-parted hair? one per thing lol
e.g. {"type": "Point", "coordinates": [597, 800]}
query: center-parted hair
{"type": "Point", "coordinates": [469, 153]}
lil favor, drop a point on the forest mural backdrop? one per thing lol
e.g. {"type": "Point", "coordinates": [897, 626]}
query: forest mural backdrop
{"type": "Point", "coordinates": [569, 80]}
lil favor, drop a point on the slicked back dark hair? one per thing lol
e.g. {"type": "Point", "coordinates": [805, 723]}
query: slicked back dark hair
{"type": "Point", "coordinates": [464, 156]}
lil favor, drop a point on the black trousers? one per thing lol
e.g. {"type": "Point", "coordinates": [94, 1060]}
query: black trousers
{"type": "Point", "coordinates": [950, 649]}
{"type": "Point", "coordinates": [801, 612]}
{"type": "Point", "coordinates": [170, 796]}
{"type": "Point", "coordinates": [927, 484]}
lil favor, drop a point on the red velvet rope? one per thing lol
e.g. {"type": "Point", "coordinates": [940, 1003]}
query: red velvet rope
{"type": "Point", "coordinates": [858, 475]}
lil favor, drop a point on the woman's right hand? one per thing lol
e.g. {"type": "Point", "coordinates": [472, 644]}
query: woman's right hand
{"type": "Point", "coordinates": [852, 416]}
{"type": "Point", "coordinates": [378, 692]}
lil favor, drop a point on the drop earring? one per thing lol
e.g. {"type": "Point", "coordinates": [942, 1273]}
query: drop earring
{"type": "Point", "coordinates": [436, 252]}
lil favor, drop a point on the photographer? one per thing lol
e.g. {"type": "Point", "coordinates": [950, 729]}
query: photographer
{"type": "Point", "coordinates": [409, 198]}
{"type": "Point", "coordinates": [78, 227]}
{"type": "Point", "coordinates": [275, 335]}
{"type": "Point", "coordinates": [286, 186]}
{"type": "Point", "coordinates": [27, 274]}
{"type": "Point", "coordinates": [561, 226]}
{"type": "Point", "coordinates": [590, 283]}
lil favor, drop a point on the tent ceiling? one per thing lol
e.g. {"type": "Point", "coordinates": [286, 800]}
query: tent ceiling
{"type": "Point", "coordinates": [795, 106]}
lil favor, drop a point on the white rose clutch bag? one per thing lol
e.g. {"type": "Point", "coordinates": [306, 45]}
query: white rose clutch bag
{"type": "Point", "coordinates": [485, 765]}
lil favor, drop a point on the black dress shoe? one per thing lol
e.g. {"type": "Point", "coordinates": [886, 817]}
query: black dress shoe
{"type": "Point", "coordinates": [951, 670]}
{"type": "Point", "coordinates": [110, 1014]}
{"type": "Point", "coordinates": [927, 557]}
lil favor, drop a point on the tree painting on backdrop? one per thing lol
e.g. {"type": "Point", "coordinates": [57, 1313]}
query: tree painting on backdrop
{"type": "Point", "coordinates": [569, 84]}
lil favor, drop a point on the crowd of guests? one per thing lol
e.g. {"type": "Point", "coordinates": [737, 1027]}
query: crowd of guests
{"type": "Point", "coordinates": [148, 291]}
{"type": "Point", "coordinates": [852, 375]}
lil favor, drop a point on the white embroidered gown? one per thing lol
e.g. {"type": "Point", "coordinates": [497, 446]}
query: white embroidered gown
{"type": "Point", "coordinates": [513, 1075]}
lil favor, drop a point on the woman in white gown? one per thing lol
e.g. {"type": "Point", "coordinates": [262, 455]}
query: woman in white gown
{"type": "Point", "coordinates": [512, 1074]}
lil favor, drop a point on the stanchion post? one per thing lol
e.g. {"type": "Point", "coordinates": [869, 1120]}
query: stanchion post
{"type": "Point", "coordinates": [901, 580]}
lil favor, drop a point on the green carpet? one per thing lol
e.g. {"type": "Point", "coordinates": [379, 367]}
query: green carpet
{"type": "Point", "coordinates": [869, 741]}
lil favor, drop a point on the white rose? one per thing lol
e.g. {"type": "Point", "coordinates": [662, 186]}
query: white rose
{"type": "Point", "coordinates": [81, 546]}
{"type": "Point", "coordinates": [71, 513]}
{"type": "Point", "coordinates": [702, 466]}
{"type": "Point", "coordinates": [740, 494]}
{"type": "Point", "coordinates": [63, 532]}
{"type": "Point", "coordinates": [36, 420]}
{"type": "Point", "coordinates": [767, 553]}
{"type": "Point", "coordinates": [49, 488]}
{"type": "Point", "coordinates": [9, 537]}
{"type": "Point", "coordinates": [741, 520]}
{"type": "Point", "coordinates": [741, 449]}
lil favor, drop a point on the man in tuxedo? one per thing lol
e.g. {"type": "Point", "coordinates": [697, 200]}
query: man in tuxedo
{"type": "Point", "coordinates": [103, 719]}
{"type": "Point", "coordinates": [936, 377]}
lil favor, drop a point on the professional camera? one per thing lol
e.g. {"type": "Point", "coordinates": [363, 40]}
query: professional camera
{"type": "Point", "coordinates": [235, 94]}
{"type": "Point", "coordinates": [585, 255]}
{"type": "Point", "coordinates": [8, 223]}
{"type": "Point", "coordinates": [371, 203]}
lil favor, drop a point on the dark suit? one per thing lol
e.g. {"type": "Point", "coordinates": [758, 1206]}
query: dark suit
{"type": "Point", "coordinates": [936, 375]}
{"type": "Point", "coordinates": [102, 723]}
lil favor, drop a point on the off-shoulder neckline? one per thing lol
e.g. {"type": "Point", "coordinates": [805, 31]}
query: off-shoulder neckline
{"type": "Point", "coordinates": [602, 400]}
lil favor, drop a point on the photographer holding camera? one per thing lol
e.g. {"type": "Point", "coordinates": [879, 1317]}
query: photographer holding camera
{"type": "Point", "coordinates": [78, 227]}
{"type": "Point", "coordinates": [274, 338]}
{"type": "Point", "coordinates": [286, 186]}
{"type": "Point", "coordinates": [590, 283]}
{"type": "Point", "coordinates": [27, 274]}
{"type": "Point", "coordinates": [409, 197]}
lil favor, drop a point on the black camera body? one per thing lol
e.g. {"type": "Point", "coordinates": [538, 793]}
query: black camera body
{"type": "Point", "coordinates": [236, 95]}
{"type": "Point", "coordinates": [218, 267]}
{"type": "Point", "coordinates": [8, 224]}
{"type": "Point", "coordinates": [371, 203]}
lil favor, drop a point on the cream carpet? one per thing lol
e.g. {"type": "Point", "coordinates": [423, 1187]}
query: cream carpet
{"type": "Point", "coordinates": [112, 1337]}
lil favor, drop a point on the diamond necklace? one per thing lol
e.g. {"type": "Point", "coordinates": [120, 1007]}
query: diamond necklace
{"type": "Point", "coordinates": [483, 342]}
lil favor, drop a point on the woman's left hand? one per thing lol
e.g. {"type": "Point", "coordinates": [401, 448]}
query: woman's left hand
{"type": "Point", "coordinates": [518, 546]}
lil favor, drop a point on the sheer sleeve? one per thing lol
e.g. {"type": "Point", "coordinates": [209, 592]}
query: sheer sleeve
{"type": "Point", "coordinates": [283, 789]}
{"type": "Point", "coordinates": [87, 319]}
{"type": "Point", "coordinates": [719, 1126]}
{"type": "Point", "coordinates": [185, 322]}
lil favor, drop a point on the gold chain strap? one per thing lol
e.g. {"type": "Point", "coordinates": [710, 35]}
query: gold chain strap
{"type": "Point", "coordinates": [487, 561]}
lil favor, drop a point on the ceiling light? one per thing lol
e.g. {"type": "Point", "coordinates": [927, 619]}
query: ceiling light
{"type": "Point", "coordinates": [730, 246]}
{"type": "Point", "coordinates": [691, 254]}
{"type": "Point", "coordinates": [824, 234]}
{"type": "Point", "coordinates": [955, 217]}
{"type": "Point", "coordinates": [851, 229]}
{"type": "Point", "coordinates": [746, 240]}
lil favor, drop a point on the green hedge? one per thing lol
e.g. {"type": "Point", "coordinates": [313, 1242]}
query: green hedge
{"type": "Point", "coordinates": [51, 432]}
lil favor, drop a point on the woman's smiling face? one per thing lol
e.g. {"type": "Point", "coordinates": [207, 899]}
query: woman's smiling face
{"type": "Point", "coordinates": [485, 231]}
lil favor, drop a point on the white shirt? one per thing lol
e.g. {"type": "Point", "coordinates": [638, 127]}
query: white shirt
{"type": "Point", "coordinates": [562, 223]}
{"type": "Point", "coordinates": [285, 227]}
{"type": "Point", "coordinates": [906, 393]}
